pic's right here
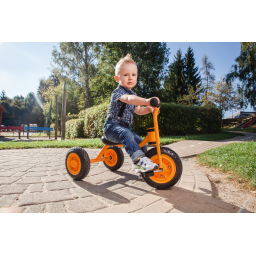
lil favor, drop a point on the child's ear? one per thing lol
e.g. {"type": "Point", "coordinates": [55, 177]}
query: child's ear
{"type": "Point", "coordinates": [116, 78]}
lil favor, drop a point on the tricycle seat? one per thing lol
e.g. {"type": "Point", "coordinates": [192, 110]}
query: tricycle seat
{"type": "Point", "coordinates": [109, 143]}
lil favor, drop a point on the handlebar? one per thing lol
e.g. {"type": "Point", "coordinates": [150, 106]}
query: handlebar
{"type": "Point", "coordinates": [154, 102]}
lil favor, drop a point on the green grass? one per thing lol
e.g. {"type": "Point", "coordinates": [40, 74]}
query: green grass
{"type": "Point", "coordinates": [250, 130]}
{"type": "Point", "coordinates": [96, 143]}
{"type": "Point", "coordinates": [205, 137]}
{"type": "Point", "coordinates": [85, 143]}
{"type": "Point", "coordinates": [237, 158]}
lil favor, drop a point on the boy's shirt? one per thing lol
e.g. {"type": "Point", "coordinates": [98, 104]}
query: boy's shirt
{"type": "Point", "coordinates": [115, 105]}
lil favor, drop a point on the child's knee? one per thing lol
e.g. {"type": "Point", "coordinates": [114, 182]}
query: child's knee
{"type": "Point", "coordinates": [144, 149]}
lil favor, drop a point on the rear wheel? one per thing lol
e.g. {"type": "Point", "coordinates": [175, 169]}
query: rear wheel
{"type": "Point", "coordinates": [115, 158]}
{"type": "Point", "coordinates": [172, 169]}
{"type": "Point", "coordinates": [77, 163]}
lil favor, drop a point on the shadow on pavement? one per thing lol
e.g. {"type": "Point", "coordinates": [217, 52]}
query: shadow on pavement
{"type": "Point", "coordinates": [183, 200]}
{"type": "Point", "coordinates": [3, 139]}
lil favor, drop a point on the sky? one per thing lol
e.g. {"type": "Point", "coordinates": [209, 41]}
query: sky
{"type": "Point", "coordinates": [23, 64]}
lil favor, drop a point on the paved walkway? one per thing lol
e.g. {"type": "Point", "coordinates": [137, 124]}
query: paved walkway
{"type": "Point", "coordinates": [35, 180]}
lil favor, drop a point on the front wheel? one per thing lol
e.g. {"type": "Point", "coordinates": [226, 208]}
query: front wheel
{"type": "Point", "coordinates": [172, 169]}
{"type": "Point", "coordinates": [77, 163]}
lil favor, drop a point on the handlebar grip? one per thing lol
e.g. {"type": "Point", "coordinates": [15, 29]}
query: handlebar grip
{"type": "Point", "coordinates": [154, 102]}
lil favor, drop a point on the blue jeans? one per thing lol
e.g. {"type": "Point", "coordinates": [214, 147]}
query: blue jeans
{"type": "Point", "coordinates": [120, 132]}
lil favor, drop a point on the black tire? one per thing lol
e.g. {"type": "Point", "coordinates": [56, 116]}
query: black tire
{"type": "Point", "coordinates": [116, 158]}
{"type": "Point", "coordinates": [171, 173]}
{"type": "Point", "coordinates": [77, 163]}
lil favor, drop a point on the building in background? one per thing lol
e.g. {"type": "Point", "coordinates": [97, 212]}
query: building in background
{"type": "Point", "coordinates": [1, 111]}
{"type": "Point", "coordinates": [241, 114]}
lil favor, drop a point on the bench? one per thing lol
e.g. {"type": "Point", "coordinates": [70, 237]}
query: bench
{"type": "Point", "coordinates": [12, 129]}
{"type": "Point", "coordinates": [38, 129]}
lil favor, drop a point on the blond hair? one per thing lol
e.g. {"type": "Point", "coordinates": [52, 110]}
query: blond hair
{"type": "Point", "coordinates": [122, 61]}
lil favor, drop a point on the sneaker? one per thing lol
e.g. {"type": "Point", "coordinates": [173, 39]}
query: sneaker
{"type": "Point", "coordinates": [145, 165]}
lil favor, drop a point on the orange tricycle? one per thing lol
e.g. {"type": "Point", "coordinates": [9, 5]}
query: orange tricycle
{"type": "Point", "coordinates": [170, 165]}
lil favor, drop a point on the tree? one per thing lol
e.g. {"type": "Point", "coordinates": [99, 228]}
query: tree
{"type": "Point", "coordinates": [20, 108]}
{"type": "Point", "coordinates": [245, 72]}
{"type": "Point", "coordinates": [224, 96]}
{"type": "Point", "coordinates": [174, 85]}
{"type": "Point", "coordinates": [151, 59]}
{"type": "Point", "coordinates": [76, 59]}
{"type": "Point", "coordinates": [189, 99]}
{"type": "Point", "coordinates": [55, 77]}
{"type": "Point", "coordinates": [192, 77]}
{"type": "Point", "coordinates": [208, 79]}
{"type": "Point", "coordinates": [3, 95]}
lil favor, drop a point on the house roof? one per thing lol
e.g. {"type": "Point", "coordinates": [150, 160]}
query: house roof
{"type": "Point", "coordinates": [1, 107]}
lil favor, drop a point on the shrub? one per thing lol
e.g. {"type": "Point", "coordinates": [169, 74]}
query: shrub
{"type": "Point", "coordinates": [74, 129]}
{"type": "Point", "coordinates": [174, 119]}
{"type": "Point", "coordinates": [95, 118]}
{"type": "Point", "coordinates": [71, 117]}
{"type": "Point", "coordinates": [81, 114]}
{"type": "Point", "coordinates": [210, 119]}
{"type": "Point", "coordinates": [181, 120]}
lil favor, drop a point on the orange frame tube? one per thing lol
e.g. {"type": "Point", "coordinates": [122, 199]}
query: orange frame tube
{"type": "Point", "coordinates": [157, 137]}
{"type": "Point", "coordinates": [100, 157]}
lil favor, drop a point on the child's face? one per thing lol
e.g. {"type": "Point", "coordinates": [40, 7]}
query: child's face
{"type": "Point", "coordinates": [127, 76]}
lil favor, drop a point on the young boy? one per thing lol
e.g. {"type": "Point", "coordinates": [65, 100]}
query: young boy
{"type": "Point", "coordinates": [118, 127]}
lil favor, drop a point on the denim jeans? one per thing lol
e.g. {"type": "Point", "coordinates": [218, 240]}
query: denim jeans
{"type": "Point", "coordinates": [119, 132]}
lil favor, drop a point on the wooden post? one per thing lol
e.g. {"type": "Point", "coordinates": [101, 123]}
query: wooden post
{"type": "Point", "coordinates": [56, 117]}
{"type": "Point", "coordinates": [63, 114]}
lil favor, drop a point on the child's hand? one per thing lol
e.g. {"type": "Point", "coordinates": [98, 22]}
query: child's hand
{"type": "Point", "coordinates": [148, 101]}
{"type": "Point", "coordinates": [152, 109]}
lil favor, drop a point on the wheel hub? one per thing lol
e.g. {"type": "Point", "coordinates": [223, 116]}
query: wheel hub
{"type": "Point", "coordinates": [73, 164]}
{"type": "Point", "coordinates": [168, 169]}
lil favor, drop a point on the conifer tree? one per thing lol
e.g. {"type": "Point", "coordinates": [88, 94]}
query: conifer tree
{"type": "Point", "coordinates": [174, 85]}
{"type": "Point", "coordinates": [208, 79]}
{"type": "Point", "coordinates": [192, 75]}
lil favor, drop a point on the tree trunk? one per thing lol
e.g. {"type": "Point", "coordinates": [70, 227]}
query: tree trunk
{"type": "Point", "coordinates": [87, 105]}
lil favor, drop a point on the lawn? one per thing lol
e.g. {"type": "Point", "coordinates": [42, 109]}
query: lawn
{"type": "Point", "coordinates": [96, 143]}
{"type": "Point", "coordinates": [250, 130]}
{"type": "Point", "coordinates": [236, 159]}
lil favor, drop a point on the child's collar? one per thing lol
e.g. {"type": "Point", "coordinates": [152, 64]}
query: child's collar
{"type": "Point", "coordinates": [120, 86]}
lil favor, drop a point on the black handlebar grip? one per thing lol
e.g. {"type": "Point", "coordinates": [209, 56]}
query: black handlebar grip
{"type": "Point", "coordinates": [154, 102]}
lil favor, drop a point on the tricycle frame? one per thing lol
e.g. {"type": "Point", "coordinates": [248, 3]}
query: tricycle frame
{"type": "Point", "coordinates": [149, 138]}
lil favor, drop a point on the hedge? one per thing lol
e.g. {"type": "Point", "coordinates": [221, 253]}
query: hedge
{"type": "Point", "coordinates": [95, 118]}
{"type": "Point", "coordinates": [173, 120]}
{"type": "Point", "coordinates": [177, 119]}
{"type": "Point", "coordinates": [75, 129]}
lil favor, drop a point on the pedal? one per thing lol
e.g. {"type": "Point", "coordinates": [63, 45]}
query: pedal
{"type": "Point", "coordinates": [151, 173]}
{"type": "Point", "coordinates": [140, 173]}
{"type": "Point", "coordinates": [160, 169]}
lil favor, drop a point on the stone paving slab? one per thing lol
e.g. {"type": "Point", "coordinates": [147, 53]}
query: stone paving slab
{"type": "Point", "coordinates": [13, 189]}
{"type": "Point", "coordinates": [35, 180]}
